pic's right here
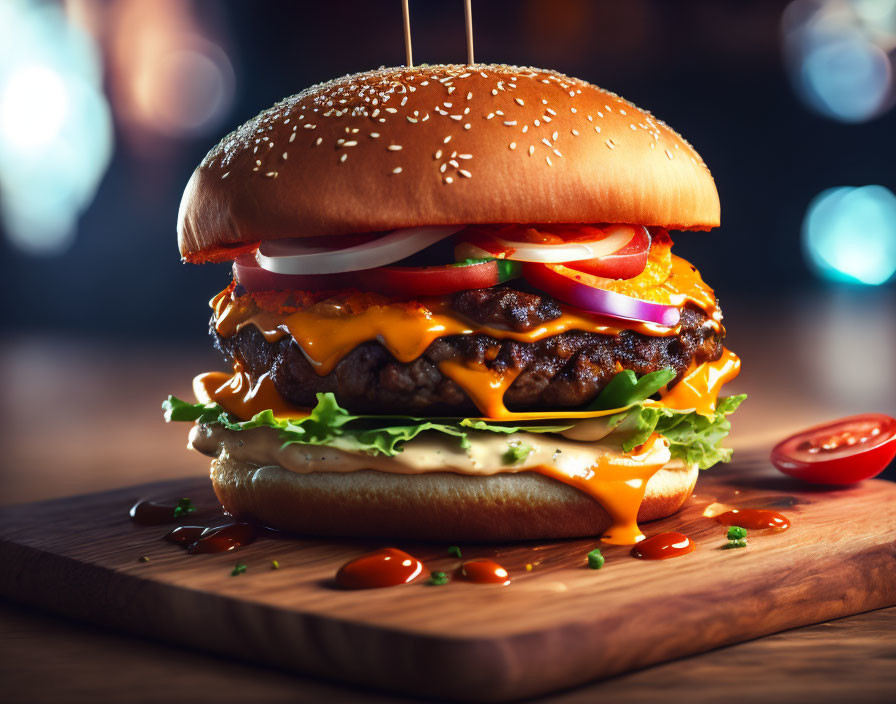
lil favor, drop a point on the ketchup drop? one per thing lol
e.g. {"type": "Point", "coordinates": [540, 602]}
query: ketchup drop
{"type": "Point", "coordinates": [484, 572]}
{"type": "Point", "coordinates": [754, 519]}
{"type": "Point", "coordinates": [151, 513]}
{"type": "Point", "coordinates": [387, 567]}
{"type": "Point", "coordinates": [663, 546]}
{"type": "Point", "coordinates": [199, 539]}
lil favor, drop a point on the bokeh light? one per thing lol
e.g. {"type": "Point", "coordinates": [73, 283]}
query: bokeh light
{"type": "Point", "coordinates": [849, 235]}
{"type": "Point", "coordinates": [839, 55]}
{"type": "Point", "coordinates": [55, 125]}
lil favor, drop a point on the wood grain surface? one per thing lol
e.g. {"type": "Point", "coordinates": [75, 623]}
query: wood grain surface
{"type": "Point", "coordinates": [557, 626]}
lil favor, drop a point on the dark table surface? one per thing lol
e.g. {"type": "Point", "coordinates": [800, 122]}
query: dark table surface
{"type": "Point", "coordinates": [82, 415]}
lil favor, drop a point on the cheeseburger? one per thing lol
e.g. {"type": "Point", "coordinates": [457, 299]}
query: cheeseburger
{"type": "Point", "coordinates": [455, 313]}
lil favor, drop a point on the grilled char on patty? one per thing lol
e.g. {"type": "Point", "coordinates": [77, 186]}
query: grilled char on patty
{"type": "Point", "coordinates": [563, 371]}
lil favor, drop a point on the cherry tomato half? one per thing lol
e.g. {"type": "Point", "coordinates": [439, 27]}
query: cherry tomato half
{"type": "Point", "coordinates": [388, 280]}
{"type": "Point", "coordinates": [844, 451]}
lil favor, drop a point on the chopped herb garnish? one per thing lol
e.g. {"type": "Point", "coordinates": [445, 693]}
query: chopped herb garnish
{"type": "Point", "coordinates": [144, 558]}
{"type": "Point", "coordinates": [596, 559]}
{"type": "Point", "coordinates": [275, 565]}
{"type": "Point", "coordinates": [736, 533]}
{"type": "Point", "coordinates": [184, 506]}
{"type": "Point", "coordinates": [516, 452]}
{"type": "Point", "coordinates": [455, 551]}
{"type": "Point", "coordinates": [238, 569]}
{"type": "Point", "coordinates": [438, 578]}
{"type": "Point", "coordinates": [739, 543]}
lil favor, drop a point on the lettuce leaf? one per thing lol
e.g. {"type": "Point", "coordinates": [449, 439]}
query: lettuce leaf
{"type": "Point", "coordinates": [693, 437]}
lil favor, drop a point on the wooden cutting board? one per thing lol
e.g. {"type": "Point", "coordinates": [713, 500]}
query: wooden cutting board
{"type": "Point", "coordinates": [556, 626]}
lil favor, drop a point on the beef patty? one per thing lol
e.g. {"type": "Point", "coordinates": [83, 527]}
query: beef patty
{"type": "Point", "coordinates": [565, 371]}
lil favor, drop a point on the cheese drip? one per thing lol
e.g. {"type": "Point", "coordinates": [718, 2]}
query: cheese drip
{"type": "Point", "coordinates": [616, 481]}
{"type": "Point", "coordinates": [699, 388]}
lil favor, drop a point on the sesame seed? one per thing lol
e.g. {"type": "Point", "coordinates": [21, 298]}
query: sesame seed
{"type": "Point", "coordinates": [555, 135]}
{"type": "Point", "coordinates": [536, 123]}
{"type": "Point", "coordinates": [453, 163]}
{"type": "Point", "coordinates": [557, 152]}
{"type": "Point", "coordinates": [448, 179]}
{"type": "Point", "coordinates": [545, 118]}
{"type": "Point", "coordinates": [519, 101]}
{"type": "Point", "coordinates": [597, 129]}
{"type": "Point", "coordinates": [607, 108]}
{"type": "Point", "coordinates": [632, 125]}
{"type": "Point", "coordinates": [450, 90]}
{"type": "Point", "coordinates": [396, 170]}
{"type": "Point", "coordinates": [404, 100]}
{"type": "Point", "coordinates": [546, 142]}
{"type": "Point", "coordinates": [343, 157]}
{"type": "Point", "coordinates": [447, 139]}
{"type": "Point", "coordinates": [550, 111]}
{"type": "Point", "coordinates": [548, 159]}
{"type": "Point", "coordinates": [374, 135]}
{"type": "Point", "coordinates": [525, 129]}
{"type": "Point", "coordinates": [652, 145]}
{"type": "Point", "coordinates": [437, 155]}
{"type": "Point", "coordinates": [225, 175]}
{"type": "Point", "coordinates": [599, 114]}
{"type": "Point", "coordinates": [490, 116]}
{"type": "Point", "coordinates": [350, 143]}
{"type": "Point", "coordinates": [292, 137]}
{"type": "Point", "coordinates": [611, 144]}
{"type": "Point", "coordinates": [464, 156]}
{"type": "Point", "coordinates": [394, 147]}
{"type": "Point", "coordinates": [466, 111]}
{"type": "Point", "coordinates": [258, 162]}
{"type": "Point", "coordinates": [284, 156]}
{"type": "Point", "coordinates": [412, 119]}
{"type": "Point", "coordinates": [510, 122]}
{"type": "Point", "coordinates": [443, 168]}
{"type": "Point", "coordinates": [457, 117]}
{"type": "Point", "coordinates": [494, 92]}
{"type": "Point", "coordinates": [465, 174]}
{"type": "Point", "coordinates": [375, 112]}
{"type": "Point", "coordinates": [512, 145]}
{"type": "Point", "coordinates": [271, 174]}
{"type": "Point", "coordinates": [670, 155]}
{"type": "Point", "coordinates": [499, 112]}
{"type": "Point", "coordinates": [622, 112]}
{"type": "Point", "coordinates": [309, 126]}
{"type": "Point", "coordinates": [392, 110]}
{"type": "Point", "coordinates": [467, 126]}
{"type": "Point", "coordinates": [318, 141]}
{"type": "Point", "coordinates": [469, 95]}
{"type": "Point", "coordinates": [575, 132]}
{"type": "Point", "coordinates": [447, 104]}
{"type": "Point", "coordinates": [572, 110]}
{"type": "Point", "coordinates": [531, 149]}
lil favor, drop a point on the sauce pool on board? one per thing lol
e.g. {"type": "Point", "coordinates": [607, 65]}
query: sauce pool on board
{"type": "Point", "coordinates": [484, 572]}
{"type": "Point", "coordinates": [387, 567]}
{"type": "Point", "coordinates": [663, 546]}
{"type": "Point", "coordinates": [200, 539]}
{"type": "Point", "coordinates": [754, 519]}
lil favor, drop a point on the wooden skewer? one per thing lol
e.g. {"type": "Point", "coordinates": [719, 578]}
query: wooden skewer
{"type": "Point", "coordinates": [409, 57]}
{"type": "Point", "coordinates": [468, 13]}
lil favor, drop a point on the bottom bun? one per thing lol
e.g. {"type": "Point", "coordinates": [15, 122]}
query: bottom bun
{"type": "Point", "coordinates": [439, 506]}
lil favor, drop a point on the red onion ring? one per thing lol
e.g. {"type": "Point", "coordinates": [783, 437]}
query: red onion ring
{"type": "Point", "coordinates": [597, 300]}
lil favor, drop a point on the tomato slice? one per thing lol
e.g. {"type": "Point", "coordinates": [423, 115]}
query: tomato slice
{"type": "Point", "coordinates": [844, 451]}
{"type": "Point", "coordinates": [627, 263]}
{"type": "Point", "coordinates": [388, 280]}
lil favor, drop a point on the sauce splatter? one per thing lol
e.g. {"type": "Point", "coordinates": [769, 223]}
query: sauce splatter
{"type": "Point", "coordinates": [754, 519]}
{"type": "Point", "coordinates": [663, 546]}
{"type": "Point", "coordinates": [484, 572]}
{"type": "Point", "coordinates": [152, 513]}
{"type": "Point", "coordinates": [388, 567]}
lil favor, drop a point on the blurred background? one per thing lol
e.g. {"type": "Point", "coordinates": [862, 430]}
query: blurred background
{"type": "Point", "coordinates": [106, 106]}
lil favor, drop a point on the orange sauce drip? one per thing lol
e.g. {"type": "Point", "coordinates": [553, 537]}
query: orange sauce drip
{"type": "Point", "coordinates": [619, 488]}
{"type": "Point", "coordinates": [699, 389]}
{"type": "Point", "coordinates": [754, 519]}
{"type": "Point", "coordinates": [388, 567]}
{"type": "Point", "coordinates": [663, 546]}
{"type": "Point", "coordinates": [236, 394]}
{"type": "Point", "coordinates": [484, 386]}
{"type": "Point", "coordinates": [484, 572]}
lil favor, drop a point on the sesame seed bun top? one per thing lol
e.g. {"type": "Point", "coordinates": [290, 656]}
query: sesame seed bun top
{"type": "Point", "coordinates": [442, 145]}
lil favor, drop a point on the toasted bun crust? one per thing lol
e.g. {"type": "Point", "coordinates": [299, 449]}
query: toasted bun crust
{"type": "Point", "coordinates": [439, 506]}
{"type": "Point", "coordinates": [442, 145]}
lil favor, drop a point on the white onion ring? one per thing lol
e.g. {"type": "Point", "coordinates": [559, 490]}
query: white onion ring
{"type": "Point", "coordinates": [618, 236]}
{"type": "Point", "coordinates": [293, 257]}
